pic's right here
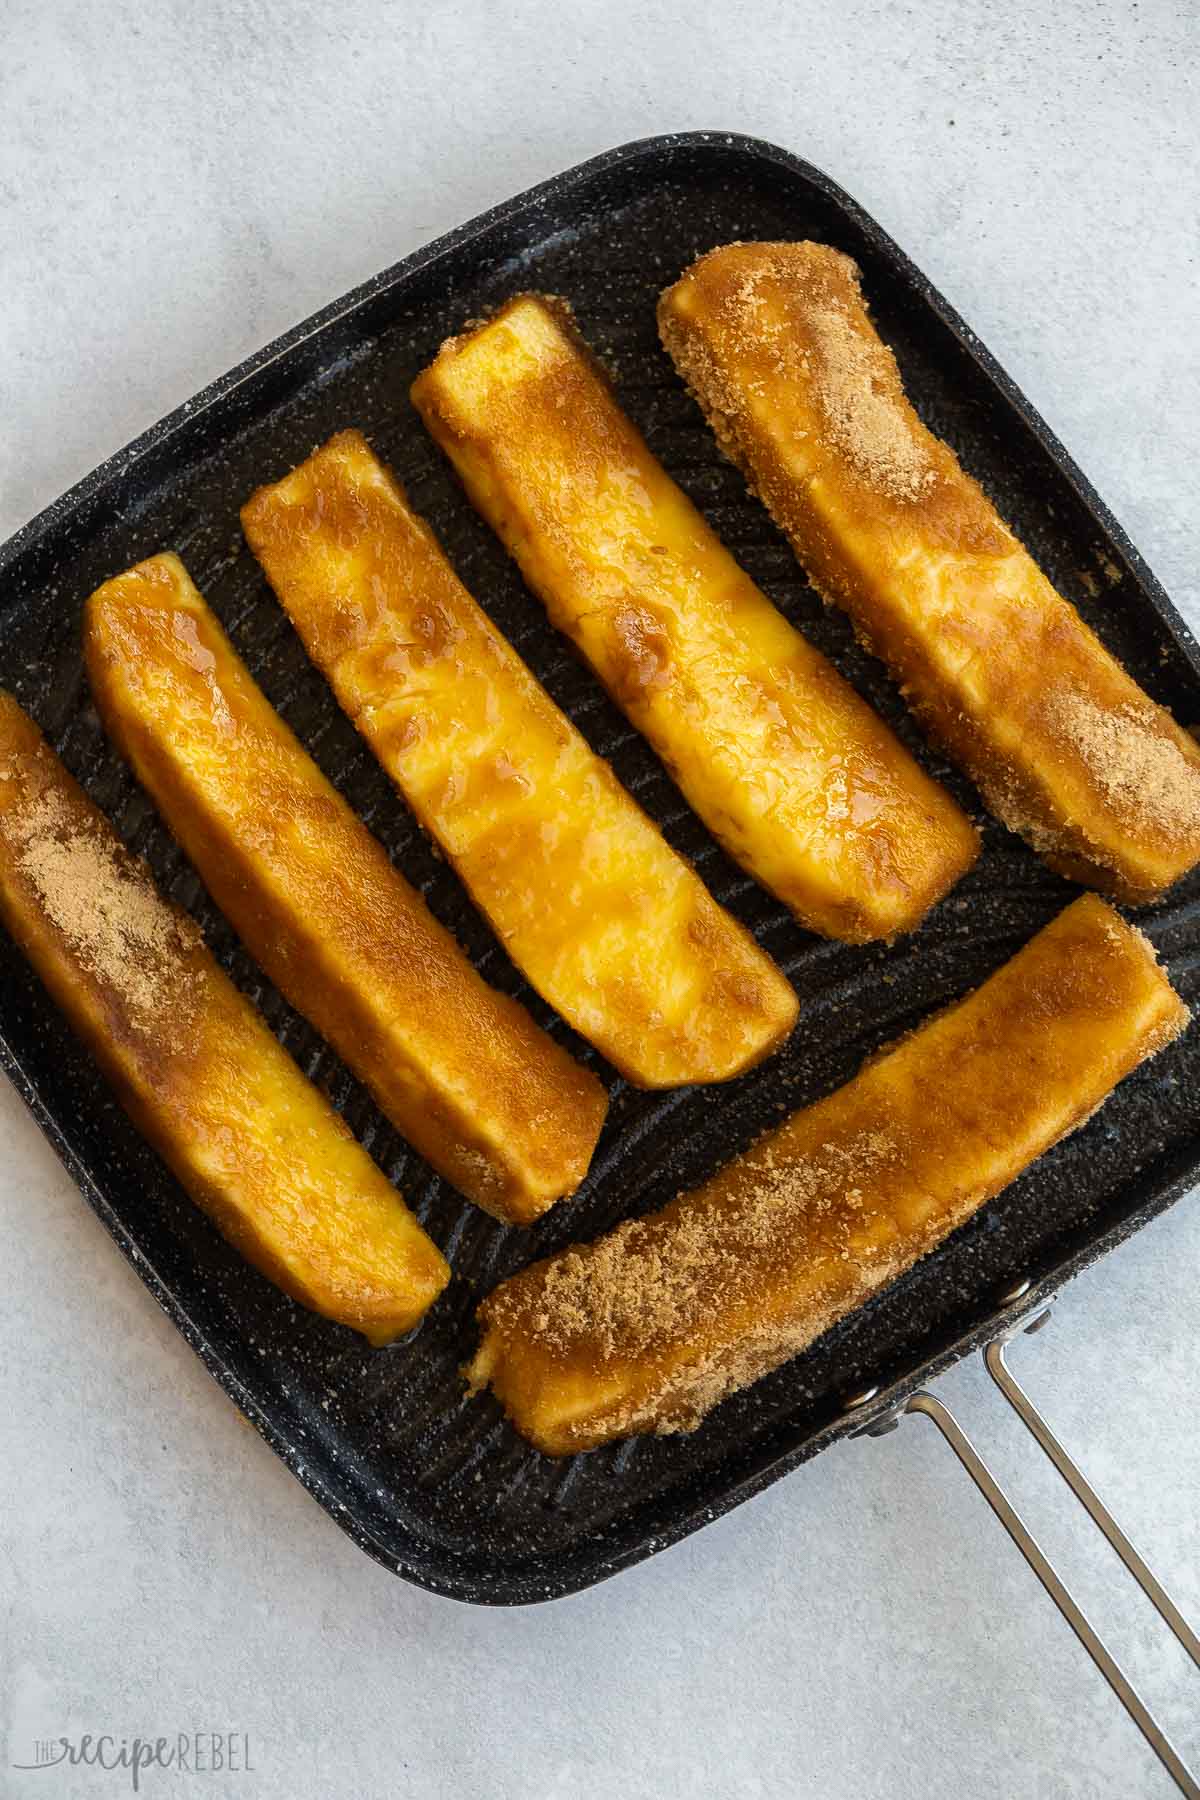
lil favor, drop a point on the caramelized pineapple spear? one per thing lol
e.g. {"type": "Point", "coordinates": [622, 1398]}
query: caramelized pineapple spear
{"type": "Point", "coordinates": [651, 1326]}
{"type": "Point", "coordinates": [192, 1063]}
{"type": "Point", "coordinates": [776, 344]}
{"type": "Point", "coordinates": [588, 898]}
{"type": "Point", "coordinates": [803, 784]}
{"type": "Point", "coordinates": [493, 1103]}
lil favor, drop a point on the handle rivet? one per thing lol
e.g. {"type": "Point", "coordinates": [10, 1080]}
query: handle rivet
{"type": "Point", "coordinates": [1012, 1294]}
{"type": "Point", "coordinates": [859, 1399]}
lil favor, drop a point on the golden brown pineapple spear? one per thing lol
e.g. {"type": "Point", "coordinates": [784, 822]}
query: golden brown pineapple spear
{"type": "Point", "coordinates": [493, 1103]}
{"type": "Point", "coordinates": [648, 1328]}
{"type": "Point", "coordinates": [198, 1072]}
{"type": "Point", "coordinates": [609, 924]}
{"type": "Point", "coordinates": [803, 784]}
{"type": "Point", "coordinates": [776, 343]}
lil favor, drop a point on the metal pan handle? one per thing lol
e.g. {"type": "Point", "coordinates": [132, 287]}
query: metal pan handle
{"type": "Point", "coordinates": [935, 1410]}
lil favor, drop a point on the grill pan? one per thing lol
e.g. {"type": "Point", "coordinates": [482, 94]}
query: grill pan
{"type": "Point", "coordinates": [435, 1486]}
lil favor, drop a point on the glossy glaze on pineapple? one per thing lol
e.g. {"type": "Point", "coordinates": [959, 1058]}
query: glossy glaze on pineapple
{"type": "Point", "coordinates": [606, 920]}
{"type": "Point", "coordinates": [492, 1102]}
{"type": "Point", "coordinates": [253, 1142]}
{"type": "Point", "coordinates": [651, 1326]}
{"type": "Point", "coordinates": [799, 779]}
{"type": "Point", "coordinates": [777, 345]}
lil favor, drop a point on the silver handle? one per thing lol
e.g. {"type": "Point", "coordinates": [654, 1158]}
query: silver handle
{"type": "Point", "coordinates": [935, 1410]}
{"type": "Point", "coordinates": [1083, 1490]}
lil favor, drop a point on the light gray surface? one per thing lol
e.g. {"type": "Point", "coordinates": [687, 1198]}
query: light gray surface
{"type": "Point", "coordinates": [180, 182]}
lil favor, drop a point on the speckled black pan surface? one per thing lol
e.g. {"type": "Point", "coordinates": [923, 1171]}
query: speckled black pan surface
{"type": "Point", "coordinates": [434, 1485]}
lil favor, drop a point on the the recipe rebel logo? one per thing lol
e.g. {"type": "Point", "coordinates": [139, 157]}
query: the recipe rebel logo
{"type": "Point", "coordinates": [191, 1752]}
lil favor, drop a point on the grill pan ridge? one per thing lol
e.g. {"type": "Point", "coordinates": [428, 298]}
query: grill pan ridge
{"type": "Point", "coordinates": [436, 1486]}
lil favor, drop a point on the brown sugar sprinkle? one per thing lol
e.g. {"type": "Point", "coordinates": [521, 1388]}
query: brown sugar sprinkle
{"type": "Point", "coordinates": [858, 387]}
{"type": "Point", "coordinates": [1140, 767]}
{"type": "Point", "coordinates": [106, 907]}
{"type": "Point", "coordinates": [855, 379]}
{"type": "Point", "coordinates": [651, 1282]}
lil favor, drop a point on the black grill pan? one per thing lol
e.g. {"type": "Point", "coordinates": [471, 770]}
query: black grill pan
{"type": "Point", "coordinates": [435, 1486]}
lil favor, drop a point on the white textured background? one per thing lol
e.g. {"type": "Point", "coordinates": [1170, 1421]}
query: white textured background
{"type": "Point", "coordinates": [180, 182]}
